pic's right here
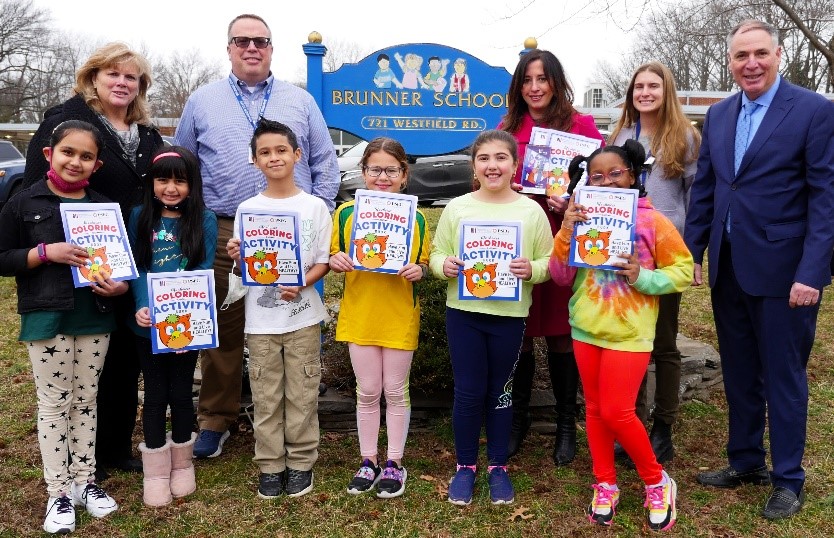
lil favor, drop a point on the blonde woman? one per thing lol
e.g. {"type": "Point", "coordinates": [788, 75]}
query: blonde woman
{"type": "Point", "coordinates": [111, 94]}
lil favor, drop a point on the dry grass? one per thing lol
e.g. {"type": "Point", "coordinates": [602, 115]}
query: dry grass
{"type": "Point", "coordinates": [549, 500]}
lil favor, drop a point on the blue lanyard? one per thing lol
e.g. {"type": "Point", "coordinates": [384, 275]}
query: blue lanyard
{"type": "Point", "coordinates": [239, 97]}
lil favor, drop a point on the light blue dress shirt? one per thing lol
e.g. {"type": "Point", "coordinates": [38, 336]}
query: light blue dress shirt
{"type": "Point", "coordinates": [215, 128]}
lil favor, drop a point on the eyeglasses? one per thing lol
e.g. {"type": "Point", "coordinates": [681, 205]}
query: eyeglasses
{"type": "Point", "coordinates": [393, 172]}
{"type": "Point", "coordinates": [612, 176]}
{"type": "Point", "coordinates": [243, 42]}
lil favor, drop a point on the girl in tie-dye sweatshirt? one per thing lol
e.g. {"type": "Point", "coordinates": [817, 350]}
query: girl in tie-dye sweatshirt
{"type": "Point", "coordinates": [612, 315]}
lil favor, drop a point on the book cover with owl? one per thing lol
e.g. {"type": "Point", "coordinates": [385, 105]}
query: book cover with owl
{"type": "Point", "coordinates": [609, 230]}
{"type": "Point", "coordinates": [100, 229]}
{"type": "Point", "coordinates": [183, 311]}
{"type": "Point", "coordinates": [270, 249]}
{"type": "Point", "coordinates": [487, 248]}
{"type": "Point", "coordinates": [546, 160]}
{"type": "Point", "coordinates": [383, 225]}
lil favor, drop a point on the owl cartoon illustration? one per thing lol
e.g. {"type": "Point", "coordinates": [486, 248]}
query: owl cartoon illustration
{"type": "Point", "coordinates": [370, 250]}
{"type": "Point", "coordinates": [480, 279]}
{"type": "Point", "coordinates": [261, 267]}
{"type": "Point", "coordinates": [556, 182]}
{"type": "Point", "coordinates": [96, 268]}
{"type": "Point", "coordinates": [593, 246]}
{"type": "Point", "coordinates": [175, 330]}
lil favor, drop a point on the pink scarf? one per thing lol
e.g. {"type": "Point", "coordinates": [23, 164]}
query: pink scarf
{"type": "Point", "coordinates": [62, 185]}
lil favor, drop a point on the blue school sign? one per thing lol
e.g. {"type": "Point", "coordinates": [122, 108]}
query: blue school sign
{"type": "Point", "coordinates": [432, 98]}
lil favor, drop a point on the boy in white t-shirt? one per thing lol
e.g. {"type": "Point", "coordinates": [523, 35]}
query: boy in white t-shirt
{"type": "Point", "coordinates": [282, 325]}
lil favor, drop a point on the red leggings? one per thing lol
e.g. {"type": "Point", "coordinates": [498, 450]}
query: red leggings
{"type": "Point", "coordinates": [610, 381]}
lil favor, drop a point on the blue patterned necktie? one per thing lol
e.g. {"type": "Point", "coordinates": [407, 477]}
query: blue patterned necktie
{"type": "Point", "coordinates": [742, 140]}
{"type": "Point", "coordinates": [743, 131]}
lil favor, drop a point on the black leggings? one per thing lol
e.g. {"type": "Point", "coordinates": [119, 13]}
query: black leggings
{"type": "Point", "coordinates": [169, 378]}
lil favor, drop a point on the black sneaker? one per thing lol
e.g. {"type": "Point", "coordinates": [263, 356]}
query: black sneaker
{"type": "Point", "coordinates": [299, 482]}
{"type": "Point", "coordinates": [270, 485]}
{"type": "Point", "coordinates": [392, 483]}
{"type": "Point", "coordinates": [365, 478]}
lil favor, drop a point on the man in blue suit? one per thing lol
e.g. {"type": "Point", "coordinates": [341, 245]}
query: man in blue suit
{"type": "Point", "coordinates": [763, 200]}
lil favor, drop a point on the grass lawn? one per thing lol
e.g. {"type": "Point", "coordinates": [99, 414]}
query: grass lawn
{"type": "Point", "coordinates": [549, 500]}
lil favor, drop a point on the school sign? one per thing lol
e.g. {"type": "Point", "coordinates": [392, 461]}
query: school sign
{"type": "Point", "coordinates": [432, 98]}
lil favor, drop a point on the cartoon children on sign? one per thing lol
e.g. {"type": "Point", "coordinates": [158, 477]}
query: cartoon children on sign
{"type": "Point", "coordinates": [99, 229]}
{"type": "Point", "coordinates": [384, 76]}
{"type": "Point", "coordinates": [435, 78]}
{"type": "Point", "coordinates": [412, 79]}
{"type": "Point", "coordinates": [183, 311]}
{"type": "Point", "coordinates": [459, 82]}
{"type": "Point", "coordinates": [487, 248]}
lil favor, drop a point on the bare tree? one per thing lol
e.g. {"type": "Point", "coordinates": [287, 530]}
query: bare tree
{"type": "Point", "coordinates": [614, 78]}
{"type": "Point", "coordinates": [176, 77]}
{"type": "Point", "coordinates": [21, 29]}
{"type": "Point", "coordinates": [341, 52]}
{"type": "Point", "coordinates": [690, 37]}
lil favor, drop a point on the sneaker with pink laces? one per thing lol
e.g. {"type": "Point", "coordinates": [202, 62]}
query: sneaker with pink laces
{"type": "Point", "coordinates": [661, 501]}
{"type": "Point", "coordinates": [604, 504]}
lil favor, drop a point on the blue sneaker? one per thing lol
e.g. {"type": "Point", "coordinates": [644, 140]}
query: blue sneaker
{"type": "Point", "coordinates": [462, 485]}
{"type": "Point", "coordinates": [209, 444]}
{"type": "Point", "coordinates": [500, 488]}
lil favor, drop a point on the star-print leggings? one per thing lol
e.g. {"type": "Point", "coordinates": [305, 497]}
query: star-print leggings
{"type": "Point", "coordinates": [66, 370]}
{"type": "Point", "coordinates": [484, 349]}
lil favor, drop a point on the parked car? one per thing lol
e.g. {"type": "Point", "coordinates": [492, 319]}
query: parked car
{"type": "Point", "coordinates": [350, 157]}
{"type": "Point", "coordinates": [12, 164]}
{"type": "Point", "coordinates": [431, 179]}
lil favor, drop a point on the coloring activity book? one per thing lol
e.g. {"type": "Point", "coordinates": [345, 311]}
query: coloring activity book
{"type": "Point", "coordinates": [546, 160]}
{"type": "Point", "coordinates": [612, 214]}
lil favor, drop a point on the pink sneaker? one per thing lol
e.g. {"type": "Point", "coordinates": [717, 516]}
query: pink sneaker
{"type": "Point", "coordinates": [604, 504]}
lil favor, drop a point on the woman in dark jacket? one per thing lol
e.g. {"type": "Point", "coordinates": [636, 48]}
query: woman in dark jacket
{"type": "Point", "coordinates": [111, 94]}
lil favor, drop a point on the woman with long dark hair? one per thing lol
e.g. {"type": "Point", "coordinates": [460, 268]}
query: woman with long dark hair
{"type": "Point", "coordinates": [540, 95]}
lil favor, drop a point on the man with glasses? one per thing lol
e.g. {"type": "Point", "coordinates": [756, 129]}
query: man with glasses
{"type": "Point", "coordinates": [217, 125]}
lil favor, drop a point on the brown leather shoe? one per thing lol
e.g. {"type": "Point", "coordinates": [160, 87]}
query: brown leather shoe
{"type": "Point", "coordinates": [730, 478]}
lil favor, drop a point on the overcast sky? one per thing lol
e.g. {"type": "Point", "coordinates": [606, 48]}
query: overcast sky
{"type": "Point", "coordinates": [492, 30]}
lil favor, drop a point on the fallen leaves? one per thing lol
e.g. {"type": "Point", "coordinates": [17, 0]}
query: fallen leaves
{"type": "Point", "coordinates": [520, 513]}
{"type": "Point", "coordinates": [440, 487]}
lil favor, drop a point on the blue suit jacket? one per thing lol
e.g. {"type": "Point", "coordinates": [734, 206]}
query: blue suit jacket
{"type": "Point", "coordinates": [781, 200]}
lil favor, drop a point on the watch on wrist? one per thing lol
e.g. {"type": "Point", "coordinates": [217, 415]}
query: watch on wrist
{"type": "Point", "coordinates": [42, 253]}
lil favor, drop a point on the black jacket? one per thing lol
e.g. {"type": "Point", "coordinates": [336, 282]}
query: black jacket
{"type": "Point", "coordinates": [117, 179]}
{"type": "Point", "coordinates": [33, 216]}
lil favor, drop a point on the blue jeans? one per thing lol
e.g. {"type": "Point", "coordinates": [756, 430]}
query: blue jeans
{"type": "Point", "coordinates": [484, 350]}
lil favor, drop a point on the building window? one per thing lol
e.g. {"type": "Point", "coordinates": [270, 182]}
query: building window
{"type": "Point", "coordinates": [596, 97]}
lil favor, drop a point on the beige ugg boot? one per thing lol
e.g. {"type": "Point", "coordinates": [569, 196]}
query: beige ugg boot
{"type": "Point", "coordinates": [182, 467]}
{"type": "Point", "coordinates": [156, 464]}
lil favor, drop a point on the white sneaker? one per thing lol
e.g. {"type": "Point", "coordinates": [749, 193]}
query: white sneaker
{"type": "Point", "coordinates": [93, 498]}
{"type": "Point", "coordinates": [60, 515]}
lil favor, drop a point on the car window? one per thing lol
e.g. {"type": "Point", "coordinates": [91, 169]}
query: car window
{"type": "Point", "coordinates": [356, 150]}
{"type": "Point", "coordinates": [9, 152]}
